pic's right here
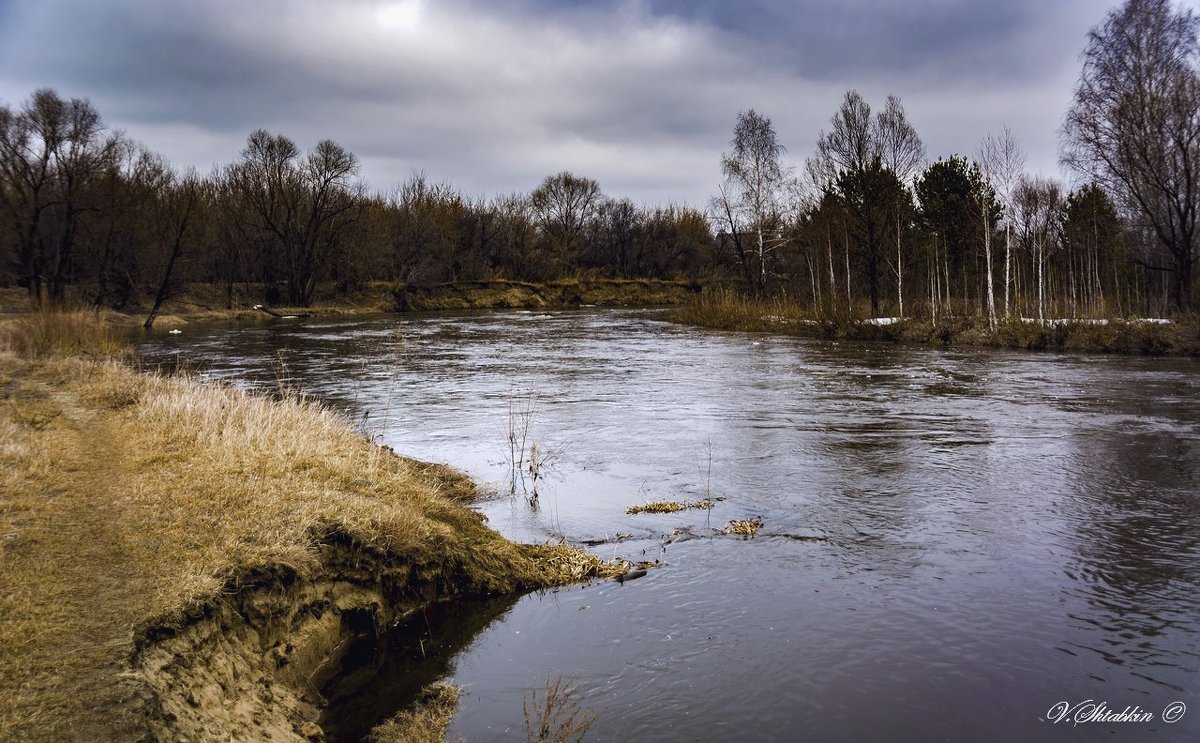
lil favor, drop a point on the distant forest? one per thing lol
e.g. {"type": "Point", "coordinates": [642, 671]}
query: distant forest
{"type": "Point", "coordinates": [868, 225]}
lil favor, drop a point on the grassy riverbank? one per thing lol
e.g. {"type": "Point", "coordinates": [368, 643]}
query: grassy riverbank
{"type": "Point", "coordinates": [237, 302]}
{"type": "Point", "coordinates": [183, 560]}
{"type": "Point", "coordinates": [727, 310]}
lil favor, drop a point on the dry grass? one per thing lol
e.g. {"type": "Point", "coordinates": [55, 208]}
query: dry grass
{"type": "Point", "coordinates": [729, 310]}
{"type": "Point", "coordinates": [49, 334]}
{"type": "Point", "coordinates": [669, 506]}
{"type": "Point", "coordinates": [427, 722]}
{"type": "Point", "coordinates": [129, 502]}
{"type": "Point", "coordinates": [565, 564]}
{"type": "Point", "coordinates": [555, 715]}
{"type": "Point", "coordinates": [744, 527]}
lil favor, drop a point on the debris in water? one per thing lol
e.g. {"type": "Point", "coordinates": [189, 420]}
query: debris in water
{"type": "Point", "coordinates": [746, 527]}
{"type": "Point", "coordinates": [669, 506]}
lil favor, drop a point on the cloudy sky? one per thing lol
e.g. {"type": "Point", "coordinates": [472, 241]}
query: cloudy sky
{"type": "Point", "coordinates": [492, 96]}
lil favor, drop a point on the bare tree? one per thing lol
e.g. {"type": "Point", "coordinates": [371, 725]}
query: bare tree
{"type": "Point", "coordinates": [850, 145]}
{"type": "Point", "coordinates": [755, 178]}
{"type": "Point", "coordinates": [175, 221]}
{"type": "Point", "coordinates": [1039, 208]}
{"type": "Point", "coordinates": [304, 205]}
{"type": "Point", "coordinates": [902, 152]}
{"type": "Point", "coordinates": [1001, 162]}
{"type": "Point", "coordinates": [1134, 125]}
{"type": "Point", "coordinates": [564, 204]}
{"type": "Point", "coordinates": [900, 146]}
{"type": "Point", "coordinates": [853, 156]}
{"type": "Point", "coordinates": [426, 228]}
{"type": "Point", "coordinates": [51, 152]}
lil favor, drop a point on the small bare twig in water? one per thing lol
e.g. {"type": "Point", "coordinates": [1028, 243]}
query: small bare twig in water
{"type": "Point", "coordinates": [707, 473]}
{"type": "Point", "coordinates": [520, 419]}
{"type": "Point", "coordinates": [556, 715]}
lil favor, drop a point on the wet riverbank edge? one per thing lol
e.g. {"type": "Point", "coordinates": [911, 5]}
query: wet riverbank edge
{"type": "Point", "coordinates": [245, 301]}
{"type": "Point", "coordinates": [186, 561]}
{"type": "Point", "coordinates": [722, 310]}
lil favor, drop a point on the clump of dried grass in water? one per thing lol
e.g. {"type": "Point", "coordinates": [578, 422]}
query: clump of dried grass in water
{"type": "Point", "coordinates": [669, 506]}
{"type": "Point", "coordinates": [744, 527]}
{"type": "Point", "coordinates": [555, 715]}
{"type": "Point", "coordinates": [569, 564]}
{"type": "Point", "coordinates": [427, 722]}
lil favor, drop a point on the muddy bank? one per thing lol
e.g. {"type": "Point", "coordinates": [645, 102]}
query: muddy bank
{"type": "Point", "coordinates": [473, 295]}
{"type": "Point", "coordinates": [257, 663]}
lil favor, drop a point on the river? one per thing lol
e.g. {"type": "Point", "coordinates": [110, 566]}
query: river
{"type": "Point", "coordinates": [953, 541]}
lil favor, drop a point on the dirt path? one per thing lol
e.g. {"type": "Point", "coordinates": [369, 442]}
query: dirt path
{"type": "Point", "coordinates": [68, 594]}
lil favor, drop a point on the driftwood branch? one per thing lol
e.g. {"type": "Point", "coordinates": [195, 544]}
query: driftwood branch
{"type": "Point", "coordinates": [276, 313]}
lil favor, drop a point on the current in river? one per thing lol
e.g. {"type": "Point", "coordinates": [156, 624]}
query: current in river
{"type": "Point", "coordinates": [953, 542]}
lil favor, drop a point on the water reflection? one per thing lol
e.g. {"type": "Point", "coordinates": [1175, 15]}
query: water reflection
{"type": "Point", "coordinates": [379, 675]}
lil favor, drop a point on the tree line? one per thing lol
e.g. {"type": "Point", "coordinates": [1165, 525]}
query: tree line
{"type": "Point", "coordinates": [86, 209]}
{"type": "Point", "coordinates": [870, 222]}
{"type": "Point", "coordinates": [869, 225]}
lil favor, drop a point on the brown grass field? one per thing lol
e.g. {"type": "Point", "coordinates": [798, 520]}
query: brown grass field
{"type": "Point", "coordinates": [134, 508]}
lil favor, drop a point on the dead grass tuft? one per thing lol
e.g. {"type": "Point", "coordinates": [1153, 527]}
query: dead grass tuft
{"type": "Point", "coordinates": [745, 527]}
{"type": "Point", "coordinates": [55, 333]}
{"type": "Point", "coordinates": [566, 564]}
{"type": "Point", "coordinates": [669, 506]}
{"type": "Point", "coordinates": [427, 722]}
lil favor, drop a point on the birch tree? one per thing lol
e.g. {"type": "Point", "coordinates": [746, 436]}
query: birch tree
{"type": "Point", "coordinates": [1039, 211]}
{"type": "Point", "coordinates": [1001, 161]}
{"type": "Point", "coordinates": [901, 151]}
{"type": "Point", "coordinates": [755, 178]}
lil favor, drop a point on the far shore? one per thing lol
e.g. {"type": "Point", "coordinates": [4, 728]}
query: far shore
{"type": "Point", "coordinates": [715, 306]}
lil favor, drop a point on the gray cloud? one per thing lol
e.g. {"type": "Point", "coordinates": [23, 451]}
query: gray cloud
{"type": "Point", "coordinates": [639, 95]}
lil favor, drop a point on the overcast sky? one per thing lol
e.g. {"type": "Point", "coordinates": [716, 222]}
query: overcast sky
{"type": "Point", "coordinates": [493, 96]}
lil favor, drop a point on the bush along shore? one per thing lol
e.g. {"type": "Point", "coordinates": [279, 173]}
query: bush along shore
{"type": "Point", "coordinates": [183, 561]}
{"type": "Point", "coordinates": [728, 310]}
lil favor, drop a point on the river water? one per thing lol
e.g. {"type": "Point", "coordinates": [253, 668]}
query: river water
{"type": "Point", "coordinates": [953, 541]}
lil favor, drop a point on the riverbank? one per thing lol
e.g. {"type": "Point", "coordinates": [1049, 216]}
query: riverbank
{"type": "Point", "coordinates": [184, 561]}
{"type": "Point", "coordinates": [563, 293]}
{"type": "Point", "coordinates": [241, 301]}
{"type": "Point", "coordinates": [723, 310]}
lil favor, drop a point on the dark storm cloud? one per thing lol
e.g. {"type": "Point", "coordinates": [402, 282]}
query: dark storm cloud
{"type": "Point", "coordinates": [831, 40]}
{"type": "Point", "coordinates": [640, 95]}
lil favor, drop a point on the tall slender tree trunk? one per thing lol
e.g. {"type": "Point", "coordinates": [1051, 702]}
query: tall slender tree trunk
{"type": "Point", "coordinates": [849, 298]}
{"type": "Point", "coordinates": [946, 274]}
{"type": "Point", "coordinates": [1007, 270]}
{"type": "Point", "coordinates": [832, 278]}
{"type": "Point", "coordinates": [812, 275]}
{"type": "Point", "coordinates": [987, 249]}
{"type": "Point", "coordinates": [762, 261]}
{"type": "Point", "coordinates": [935, 286]}
{"type": "Point", "coordinates": [899, 269]}
{"type": "Point", "coordinates": [1041, 261]}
